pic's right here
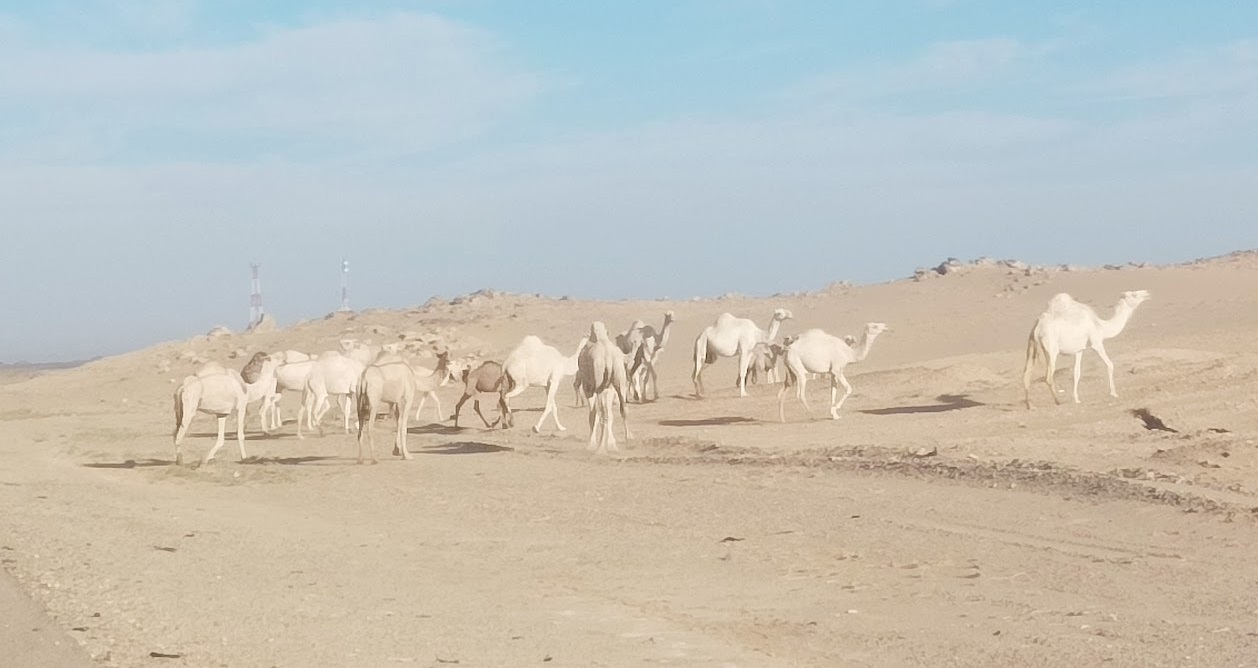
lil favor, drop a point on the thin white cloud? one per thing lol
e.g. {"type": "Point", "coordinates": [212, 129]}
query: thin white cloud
{"type": "Point", "coordinates": [942, 65]}
{"type": "Point", "coordinates": [1224, 70]}
{"type": "Point", "coordinates": [405, 82]}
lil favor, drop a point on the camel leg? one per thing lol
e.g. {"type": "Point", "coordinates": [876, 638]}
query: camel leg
{"type": "Point", "coordinates": [623, 417]}
{"type": "Point", "coordinates": [1078, 373]}
{"type": "Point", "coordinates": [847, 392]}
{"type": "Point", "coordinates": [802, 393]}
{"type": "Point", "coordinates": [594, 422]}
{"type": "Point", "coordinates": [240, 430]}
{"type": "Point", "coordinates": [744, 361]}
{"type": "Point", "coordinates": [1051, 359]}
{"type": "Point", "coordinates": [697, 376]}
{"type": "Point", "coordinates": [505, 401]}
{"type": "Point", "coordinates": [185, 409]}
{"type": "Point", "coordinates": [653, 379]}
{"type": "Point", "coordinates": [403, 423]}
{"type": "Point", "coordinates": [423, 398]}
{"type": "Point", "coordinates": [1028, 372]}
{"type": "Point", "coordinates": [222, 428]}
{"type": "Point", "coordinates": [368, 426]}
{"type": "Point", "coordinates": [551, 409]}
{"type": "Point", "coordinates": [345, 411]}
{"type": "Point", "coordinates": [458, 407]}
{"type": "Point", "coordinates": [1109, 368]}
{"type": "Point", "coordinates": [609, 431]}
{"type": "Point", "coordinates": [476, 406]}
{"type": "Point", "coordinates": [504, 413]}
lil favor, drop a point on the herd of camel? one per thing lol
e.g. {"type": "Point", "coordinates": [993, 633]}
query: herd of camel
{"type": "Point", "coordinates": [607, 371]}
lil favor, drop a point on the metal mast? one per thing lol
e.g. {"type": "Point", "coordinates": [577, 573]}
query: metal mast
{"type": "Point", "coordinates": [255, 296]}
{"type": "Point", "coordinates": [344, 285]}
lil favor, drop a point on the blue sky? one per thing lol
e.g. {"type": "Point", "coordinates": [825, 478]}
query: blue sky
{"type": "Point", "coordinates": [150, 150]}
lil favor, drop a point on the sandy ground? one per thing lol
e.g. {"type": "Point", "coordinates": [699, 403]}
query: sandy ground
{"type": "Point", "coordinates": [937, 523]}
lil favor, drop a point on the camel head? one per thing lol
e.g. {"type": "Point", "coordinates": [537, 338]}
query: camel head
{"type": "Point", "coordinates": [1134, 298]}
{"type": "Point", "coordinates": [782, 314]}
{"type": "Point", "coordinates": [598, 331]}
{"type": "Point", "coordinates": [348, 345]}
{"type": "Point", "coordinates": [873, 329]}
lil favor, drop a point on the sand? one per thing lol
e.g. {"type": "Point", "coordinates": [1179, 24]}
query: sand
{"type": "Point", "coordinates": [937, 523]}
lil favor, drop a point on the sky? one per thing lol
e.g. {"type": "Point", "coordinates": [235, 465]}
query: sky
{"type": "Point", "coordinates": [151, 150]}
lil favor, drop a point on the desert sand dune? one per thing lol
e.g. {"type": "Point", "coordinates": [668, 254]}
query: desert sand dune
{"type": "Point", "coordinates": [937, 522]}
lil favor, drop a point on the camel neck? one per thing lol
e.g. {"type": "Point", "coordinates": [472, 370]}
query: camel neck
{"type": "Point", "coordinates": [773, 329]}
{"type": "Point", "coordinates": [1115, 325]}
{"type": "Point", "coordinates": [863, 345]}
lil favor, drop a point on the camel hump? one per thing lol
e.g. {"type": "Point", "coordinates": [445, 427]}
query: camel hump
{"type": "Point", "coordinates": [253, 369]}
{"type": "Point", "coordinates": [1061, 302]}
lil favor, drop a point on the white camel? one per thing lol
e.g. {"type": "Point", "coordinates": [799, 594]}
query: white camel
{"type": "Point", "coordinates": [260, 381]}
{"type": "Point", "coordinates": [601, 373]}
{"type": "Point", "coordinates": [427, 382]}
{"type": "Point", "coordinates": [362, 351]}
{"type": "Point", "coordinates": [333, 375]}
{"type": "Point", "coordinates": [217, 391]}
{"type": "Point", "coordinates": [731, 336]}
{"type": "Point", "coordinates": [535, 363]}
{"type": "Point", "coordinates": [815, 351]}
{"type": "Point", "coordinates": [290, 376]}
{"type": "Point", "coordinates": [646, 355]}
{"type": "Point", "coordinates": [764, 363]}
{"type": "Point", "coordinates": [1069, 327]}
{"type": "Point", "coordinates": [388, 381]}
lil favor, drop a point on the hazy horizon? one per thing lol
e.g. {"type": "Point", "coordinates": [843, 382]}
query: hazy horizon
{"type": "Point", "coordinates": [151, 150]}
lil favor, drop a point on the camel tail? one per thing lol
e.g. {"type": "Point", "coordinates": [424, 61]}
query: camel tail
{"type": "Point", "coordinates": [1032, 355]}
{"type": "Point", "coordinates": [1032, 349]}
{"type": "Point", "coordinates": [364, 409]}
{"type": "Point", "coordinates": [178, 409]}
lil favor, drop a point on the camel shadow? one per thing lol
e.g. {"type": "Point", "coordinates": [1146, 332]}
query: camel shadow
{"type": "Point", "coordinates": [709, 422]}
{"type": "Point", "coordinates": [436, 428]}
{"type": "Point", "coordinates": [463, 448]}
{"type": "Point", "coordinates": [249, 435]}
{"type": "Point", "coordinates": [287, 461]}
{"type": "Point", "coordinates": [130, 464]}
{"type": "Point", "coordinates": [947, 402]}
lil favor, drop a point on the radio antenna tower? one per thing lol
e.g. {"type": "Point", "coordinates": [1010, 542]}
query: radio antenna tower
{"type": "Point", "coordinates": [255, 296]}
{"type": "Point", "coordinates": [344, 285]}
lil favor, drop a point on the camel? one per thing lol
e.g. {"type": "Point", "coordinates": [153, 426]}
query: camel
{"type": "Point", "coordinates": [730, 336]}
{"type": "Point", "coordinates": [290, 375]}
{"type": "Point", "coordinates": [292, 356]}
{"type": "Point", "coordinates": [650, 345]}
{"type": "Point", "coordinates": [764, 362]}
{"type": "Point", "coordinates": [815, 351]}
{"type": "Point", "coordinates": [535, 363]}
{"type": "Point", "coordinates": [1069, 327]}
{"type": "Point", "coordinates": [484, 379]}
{"type": "Point", "coordinates": [259, 377]}
{"type": "Point", "coordinates": [426, 384]}
{"type": "Point", "coordinates": [218, 392]}
{"type": "Point", "coordinates": [388, 381]}
{"type": "Point", "coordinates": [601, 371]}
{"type": "Point", "coordinates": [362, 351]}
{"type": "Point", "coordinates": [332, 375]}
